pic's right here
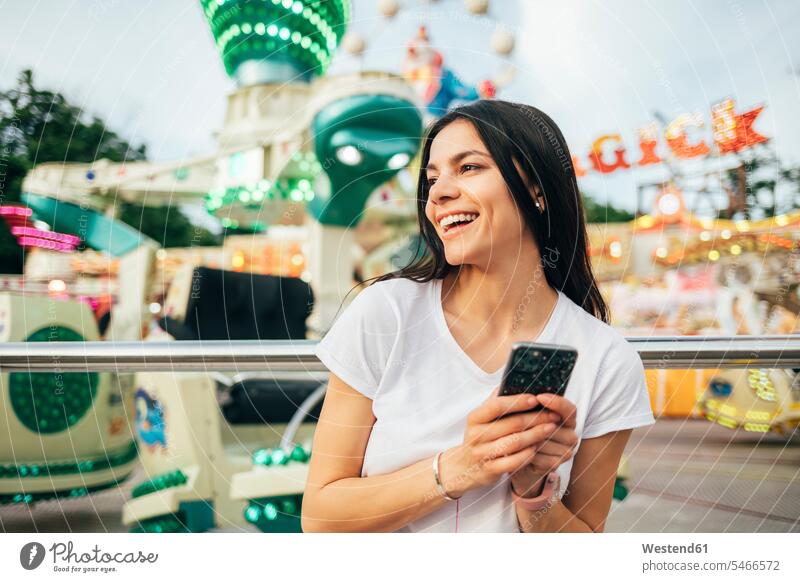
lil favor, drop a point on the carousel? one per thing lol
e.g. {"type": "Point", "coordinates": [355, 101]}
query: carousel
{"type": "Point", "coordinates": [671, 273]}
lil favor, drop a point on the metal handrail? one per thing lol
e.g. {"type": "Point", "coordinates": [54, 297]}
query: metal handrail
{"type": "Point", "coordinates": [698, 352]}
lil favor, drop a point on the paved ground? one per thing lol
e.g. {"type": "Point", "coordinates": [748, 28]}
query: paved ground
{"type": "Point", "coordinates": [689, 476]}
{"type": "Point", "coordinates": [685, 476]}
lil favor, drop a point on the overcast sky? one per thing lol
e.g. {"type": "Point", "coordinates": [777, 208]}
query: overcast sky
{"type": "Point", "coordinates": [150, 68]}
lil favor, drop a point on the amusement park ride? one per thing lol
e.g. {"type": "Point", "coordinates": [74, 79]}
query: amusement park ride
{"type": "Point", "coordinates": [219, 450]}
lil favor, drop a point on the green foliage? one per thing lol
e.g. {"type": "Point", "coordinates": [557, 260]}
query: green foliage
{"type": "Point", "coordinates": [38, 126]}
{"type": "Point", "coordinates": [166, 225]}
{"type": "Point", "coordinates": [11, 257]}
{"type": "Point", "coordinates": [596, 212]}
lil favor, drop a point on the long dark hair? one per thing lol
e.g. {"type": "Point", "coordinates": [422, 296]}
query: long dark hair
{"type": "Point", "coordinates": [522, 133]}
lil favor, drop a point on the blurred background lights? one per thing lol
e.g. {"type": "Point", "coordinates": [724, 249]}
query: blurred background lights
{"type": "Point", "coordinates": [237, 261]}
{"type": "Point", "coordinates": [398, 161]}
{"type": "Point", "coordinates": [349, 155]}
{"type": "Point", "coordinates": [56, 286]}
{"type": "Point", "coordinates": [669, 204]}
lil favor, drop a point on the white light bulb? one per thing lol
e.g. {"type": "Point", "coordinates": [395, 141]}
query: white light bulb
{"type": "Point", "coordinates": [349, 155]}
{"type": "Point", "coordinates": [398, 161]}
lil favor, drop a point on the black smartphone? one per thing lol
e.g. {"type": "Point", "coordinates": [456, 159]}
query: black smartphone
{"type": "Point", "coordinates": [538, 369]}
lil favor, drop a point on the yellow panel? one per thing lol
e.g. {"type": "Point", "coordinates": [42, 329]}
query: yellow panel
{"type": "Point", "coordinates": [680, 390]}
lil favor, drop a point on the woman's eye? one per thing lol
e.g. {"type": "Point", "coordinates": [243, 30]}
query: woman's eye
{"type": "Point", "coordinates": [466, 166]}
{"type": "Point", "coordinates": [431, 182]}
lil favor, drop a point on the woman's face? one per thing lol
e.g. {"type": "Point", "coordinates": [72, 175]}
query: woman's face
{"type": "Point", "coordinates": [464, 180]}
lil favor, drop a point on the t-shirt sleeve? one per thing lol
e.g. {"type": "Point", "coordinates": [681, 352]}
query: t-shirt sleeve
{"type": "Point", "coordinates": [621, 399]}
{"type": "Point", "coordinates": [357, 346]}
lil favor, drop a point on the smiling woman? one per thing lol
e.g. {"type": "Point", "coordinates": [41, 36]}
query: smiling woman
{"type": "Point", "coordinates": [412, 435]}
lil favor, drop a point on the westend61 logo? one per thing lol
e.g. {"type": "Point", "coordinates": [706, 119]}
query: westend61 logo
{"type": "Point", "coordinates": [65, 559]}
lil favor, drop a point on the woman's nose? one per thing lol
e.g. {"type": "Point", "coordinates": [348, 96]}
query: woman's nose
{"type": "Point", "coordinates": [444, 188]}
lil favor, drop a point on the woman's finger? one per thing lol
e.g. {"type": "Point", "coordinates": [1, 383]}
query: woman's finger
{"type": "Point", "coordinates": [547, 463]}
{"type": "Point", "coordinates": [565, 436]}
{"type": "Point", "coordinates": [514, 423]}
{"type": "Point", "coordinates": [560, 405]}
{"type": "Point", "coordinates": [512, 443]}
{"type": "Point", "coordinates": [497, 406]}
{"type": "Point", "coordinates": [554, 449]}
{"type": "Point", "coordinates": [511, 463]}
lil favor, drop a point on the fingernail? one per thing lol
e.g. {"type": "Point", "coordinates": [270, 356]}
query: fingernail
{"type": "Point", "coordinates": [551, 477]}
{"type": "Point", "coordinates": [532, 400]}
{"type": "Point", "coordinates": [549, 427]}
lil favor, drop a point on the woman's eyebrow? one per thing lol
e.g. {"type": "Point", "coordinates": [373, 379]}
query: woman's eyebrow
{"type": "Point", "coordinates": [458, 157]}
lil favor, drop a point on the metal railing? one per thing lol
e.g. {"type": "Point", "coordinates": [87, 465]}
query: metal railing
{"type": "Point", "coordinates": [698, 352]}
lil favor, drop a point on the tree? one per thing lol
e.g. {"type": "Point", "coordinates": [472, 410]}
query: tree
{"type": "Point", "coordinates": [166, 225]}
{"type": "Point", "coordinates": [38, 126]}
{"type": "Point", "coordinates": [596, 212]}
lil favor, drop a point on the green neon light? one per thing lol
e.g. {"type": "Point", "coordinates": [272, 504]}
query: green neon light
{"type": "Point", "coordinates": [302, 33]}
{"type": "Point", "coordinates": [7, 499]}
{"type": "Point", "coordinates": [252, 196]}
{"type": "Point", "coordinates": [99, 463]}
{"type": "Point", "coordinates": [47, 402]}
{"type": "Point", "coordinates": [159, 483]}
{"type": "Point", "coordinates": [170, 523]}
{"type": "Point", "coordinates": [278, 514]}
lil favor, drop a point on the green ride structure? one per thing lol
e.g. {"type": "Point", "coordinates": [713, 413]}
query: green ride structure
{"type": "Point", "coordinates": [294, 139]}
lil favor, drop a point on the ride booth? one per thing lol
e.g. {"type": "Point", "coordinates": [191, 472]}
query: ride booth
{"type": "Point", "coordinates": [223, 451]}
{"type": "Point", "coordinates": [66, 434]}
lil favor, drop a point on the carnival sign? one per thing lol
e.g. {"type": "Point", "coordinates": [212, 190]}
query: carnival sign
{"type": "Point", "coordinates": [731, 133]}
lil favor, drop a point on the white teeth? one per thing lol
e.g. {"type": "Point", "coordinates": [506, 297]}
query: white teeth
{"type": "Point", "coordinates": [448, 220]}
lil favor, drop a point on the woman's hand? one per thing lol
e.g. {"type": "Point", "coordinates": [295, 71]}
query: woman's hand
{"type": "Point", "coordinates": [494, 443]}
{"type": "Point", "coordinates": [557, 448]}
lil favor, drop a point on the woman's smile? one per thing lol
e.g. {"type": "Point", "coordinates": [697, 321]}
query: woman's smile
{"type": "Point", "coordinates": [455, 229]}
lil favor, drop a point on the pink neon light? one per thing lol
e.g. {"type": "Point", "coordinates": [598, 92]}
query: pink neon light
{"type": "Point", "coordinates": [46, 234]}
{"type": "Point", "coordinates": [15, 211]}
{"type": "Point", "coordinates": [29, 241]}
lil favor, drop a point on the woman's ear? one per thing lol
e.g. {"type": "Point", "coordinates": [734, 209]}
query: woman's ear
{"type": "Point", "coordinates": [538, 199]}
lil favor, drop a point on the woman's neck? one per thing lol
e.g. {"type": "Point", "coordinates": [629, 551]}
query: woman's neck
{"type": "Point", "coordinates": [514, 296]}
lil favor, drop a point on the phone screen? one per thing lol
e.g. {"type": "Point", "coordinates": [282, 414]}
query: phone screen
{"type": "Point", "coordinates": [538, 369]}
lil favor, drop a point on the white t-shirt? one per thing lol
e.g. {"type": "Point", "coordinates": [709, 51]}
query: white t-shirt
{"type": "Point", "coordinates": [393, 345]}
